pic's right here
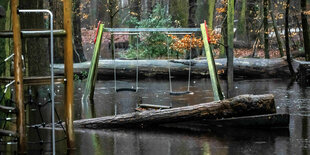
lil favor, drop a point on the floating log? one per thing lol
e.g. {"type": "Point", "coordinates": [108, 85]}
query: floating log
{"type": "Point", "coordinates": [248, 67]}
{"type": "Point", "coordinates": [243, 105]}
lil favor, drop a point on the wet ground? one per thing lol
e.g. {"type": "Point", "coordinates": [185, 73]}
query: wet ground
{"type": "Point", "coordinates": [290, 98]}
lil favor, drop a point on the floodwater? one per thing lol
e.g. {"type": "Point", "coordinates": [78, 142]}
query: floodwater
{"type": "Point", "coordinates": [289, 96]}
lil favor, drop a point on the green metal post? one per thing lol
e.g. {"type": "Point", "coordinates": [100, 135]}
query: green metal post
{"type": "Point", "coordinates": [92, 73]}
{"type": "Point", "coordinates": [216, 87]}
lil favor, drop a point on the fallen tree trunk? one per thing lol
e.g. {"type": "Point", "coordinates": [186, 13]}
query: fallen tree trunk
{"type": "Point", "coordinates": [248, 67]}
{"type": "Point", "coordinates": [243, 105]}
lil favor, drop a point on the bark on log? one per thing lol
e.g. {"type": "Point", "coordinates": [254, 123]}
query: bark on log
{"type": "Point", "coordinates": [247, 67]}
{"type": "Point", "coordinates": [243, 105]}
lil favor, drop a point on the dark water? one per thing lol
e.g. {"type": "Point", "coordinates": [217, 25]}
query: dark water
{"type": "Point", "coordinates": [290, 98]}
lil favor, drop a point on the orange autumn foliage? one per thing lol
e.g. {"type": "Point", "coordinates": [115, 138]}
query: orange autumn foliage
{"type": "Point", "coordinates": [190, 41]}
{"type": "Point", "coordinates": [186, 43]}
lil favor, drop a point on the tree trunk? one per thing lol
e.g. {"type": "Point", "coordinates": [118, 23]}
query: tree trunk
{"type": "Point", "coordinates": [135, 6]}
{"type": "Point", "coordinates": [223, 48]}
{"type": "Point", "coordinates": [249, 67]}
{"type": "Point", "coordinates": [230, 43]}
{"type": "Point", "coordinates": [243, 105]}
{"type": "Point", "coordinates": [305, 28]}
{"type": "Point", "coordinates": [2, 11]}
{"type": "Point", "coordinates": [179, 12]}
{"type": "Point", "coordinates": [241, 22]}
{"type": "Point", "coordinates": [275, 27]}
{"type": "Point", "coordinates": [57, 9]}
{"type": "Point", "coordinates": [36, 50]}
{"type": "Point", "coordinates": [78, 55]}
{"type": "Point", "coordinates": [287, 40]}
{"type": "Point", "coordinates": [149, 7]}
{"type": "Point", "coordinates": [191, 13]}
{"type": "Point", "coordinates": [266, 33]}
{"type": "Point", "coordinates": [211, 6]}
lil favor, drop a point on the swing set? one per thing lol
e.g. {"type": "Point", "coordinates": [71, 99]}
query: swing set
{"type": "Point", "coordinates": [90, 85]}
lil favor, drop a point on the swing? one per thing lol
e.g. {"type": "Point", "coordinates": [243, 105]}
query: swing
{"type": "Point", "coordinates": [137, 67]}
{"type": "Point", "coordinates": [189, 72]}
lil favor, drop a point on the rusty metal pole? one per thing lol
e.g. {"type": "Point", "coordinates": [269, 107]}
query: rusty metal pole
{"type": "Point", "coordinates": [68, 58]}
{"type": "Point", "coordinates": [18, 75]}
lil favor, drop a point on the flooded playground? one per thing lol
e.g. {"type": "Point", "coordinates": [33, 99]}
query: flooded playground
{"type": "Point", "coordinates": [290, 98]}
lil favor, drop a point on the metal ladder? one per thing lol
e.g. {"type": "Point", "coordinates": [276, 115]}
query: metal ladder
{"type": "Point", "coordinates": [20, 81]}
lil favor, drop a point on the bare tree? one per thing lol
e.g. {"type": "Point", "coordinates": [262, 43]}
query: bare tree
{"type": "Point", "coordinates": [191, 12]}
{"type": "Point", "coordinates": [305, 28]}
{"type": "Point", "coordinates": [287, 40]}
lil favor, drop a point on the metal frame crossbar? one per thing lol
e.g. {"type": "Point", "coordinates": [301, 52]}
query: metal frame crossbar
{"type": "Point", "coordinates": [152, 30]}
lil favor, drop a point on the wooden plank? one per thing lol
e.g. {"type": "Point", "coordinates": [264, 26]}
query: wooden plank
{"type": "Point", "coordinates": [34, 33]}
{"type": "Point", "coordinates": [7, 109]}
{"type": "Point", "coordinates": [242, 105]}
{"type": "Point", "coordinates": [92, 73]}
{"type": "Point", "coordinates": [37, 80]}
{"type": "Point", "coordinates": [68, 59]}
{"type": "Point", "coordinates": [18, 77]}
{"type": "Point", "coordinates": [217, 92]}
{"type": "Point", "coordinates": [8, 133]}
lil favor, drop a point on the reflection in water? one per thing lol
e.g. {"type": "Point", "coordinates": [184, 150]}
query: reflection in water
{"type": "Point", "coordinates": [289, 99]}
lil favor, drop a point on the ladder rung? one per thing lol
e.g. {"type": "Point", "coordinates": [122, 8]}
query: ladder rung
{"type": "Point", "coordinates": [7, 109]}
{"type": "Point", "coordinates": [35, 80]}
{"type": "Point", "coordinates": [8, 133]}
{"type": "Point", "coordinates": [34, 33]}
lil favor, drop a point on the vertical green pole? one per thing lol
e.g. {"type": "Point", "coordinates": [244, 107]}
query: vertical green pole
{"type": "Point", "coordinates": [92, 73]}
{"type": "Point", "coordinates": [230, 49]}
{"type": "Point", "coordinates": [216, 87]}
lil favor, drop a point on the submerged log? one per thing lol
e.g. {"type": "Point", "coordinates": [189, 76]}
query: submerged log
{"type": "Point", "coordinates": [243, 105]}
{"type": "Point", "coordinates": [248, 67]}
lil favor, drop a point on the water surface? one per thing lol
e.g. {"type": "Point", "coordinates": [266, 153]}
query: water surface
{"type": "Point", "coordinates": [289, 96]}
